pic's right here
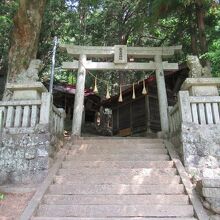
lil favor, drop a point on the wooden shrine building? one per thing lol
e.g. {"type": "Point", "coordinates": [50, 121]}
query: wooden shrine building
{"type": "Point", "coordinates": [141, 116]}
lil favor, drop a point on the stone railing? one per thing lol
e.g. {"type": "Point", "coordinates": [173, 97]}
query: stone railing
{"type": "Point", "coordinates": [25, 115]}
{"type": "Point", "coordinates": [31, 133]}
{"type": "Point", "coordinates": [20, 114]}
{"type": "Point", "coordinates": [194, 124]}
{"type": "Point", "coordinates": [58, 115]}
{"type": "Point", "coordinates": [205, 110]}
{"type": "Point", "coordinates": [174, 119]}
{"type": "Point", "coordinates": [194, 130]}
{"type": "Point", "coordinates": [1, 121]}
{"type": "Point", "coordinates": [202, 110]}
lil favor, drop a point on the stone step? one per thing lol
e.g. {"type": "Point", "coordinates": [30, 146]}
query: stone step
{"type": "Point", "coordinates": [127, 218]}
{"type": "Point", "coordinates": [122, 151]}
{"type": "Point", "coordinates": [115, 211]}
{"type": "Point", "coordinates": [117, 164]}
{"type": "Point", "coordinates": [116, 189]}
{"type": "Point", "coordinates": [120, 171]}
{"type": "Point", "coordinates": [115, 199]}
{"type": "Point", "coordinates": [115, 157]}
{"type": "Point", "coordinates": [117, 179]}
{"type": "Point", "coordinates": [112, 146]}
{"type": "Point", "coordinates": [6, 218]}
{"type": "Point", "coordinates": [119, 140]}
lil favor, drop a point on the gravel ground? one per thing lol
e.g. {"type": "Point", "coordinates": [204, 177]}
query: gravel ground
{"type": "Point", "coordinates": [13, 204]}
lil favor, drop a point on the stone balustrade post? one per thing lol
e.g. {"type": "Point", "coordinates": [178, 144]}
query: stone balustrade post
{"type": "Point", "coordinates": [184, 106]}
{"type": "Point", "coordinates": [46, 108]}
{"type": "Point", "coordinates": [1, 120]}
{"type": "Point", "coordinates": [63, 116]}
{"type": "Point", "coordinates": [170, 119]}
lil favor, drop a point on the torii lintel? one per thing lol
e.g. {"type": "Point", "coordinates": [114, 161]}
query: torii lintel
{"type": "Point", "coordinates": [136, 52]}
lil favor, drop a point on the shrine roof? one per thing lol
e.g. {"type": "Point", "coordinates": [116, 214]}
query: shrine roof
{"type": "Point", "coordinates": [71, 89]}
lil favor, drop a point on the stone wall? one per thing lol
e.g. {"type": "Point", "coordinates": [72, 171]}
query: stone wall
{"type": "Point", "coordinates": [194, 129]}
{"type": "Point", "coordinates": [199, 149]}
{"type": "Point", "coordinates": [26, 157]}
{"type": "Point", "coordinates": [30, 128]}
{"type": "Point", "coordinates": [201, 145]}
{"type": "Point", "coordinates": [198, 146]}
{"type": "Point", "coordinates": [211, 193]}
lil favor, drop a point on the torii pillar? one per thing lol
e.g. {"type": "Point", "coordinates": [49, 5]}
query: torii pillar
{"type": "Point", "coordinates": [79, 97]}
{"type": "Point", "coordinates": [162, 94]}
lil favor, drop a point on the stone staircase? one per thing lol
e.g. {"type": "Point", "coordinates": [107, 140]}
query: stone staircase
{"type": "Point", "coordinates": [116, 179]}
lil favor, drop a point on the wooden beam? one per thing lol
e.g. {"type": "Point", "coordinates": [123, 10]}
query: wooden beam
{"type": "Point", "coordinates": [136, 52]}
{"type": "Point", "coordinates": [89, 65]}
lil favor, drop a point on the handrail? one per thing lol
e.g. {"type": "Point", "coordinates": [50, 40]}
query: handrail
{"type": "Point", "coordinates": [202, 110]}
{"type": "Point", "coordinates": [56, 110]}
{"type": "Point", "coordinates": [174, 109]}
{"type": "Point", "coordinates": [204, 99]}
{"type": "Point", "coordinates": [20, 103]}
{"type": "Point", "coordinates": [174, 118]}
{"type": "Point", "coordinates": [2, 115]}
{"type": "Point", "coordinates": [27, 114]}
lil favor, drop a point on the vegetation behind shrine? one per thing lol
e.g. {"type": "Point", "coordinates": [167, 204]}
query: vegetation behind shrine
{"type": "Point", "coordinates": [110, 22]}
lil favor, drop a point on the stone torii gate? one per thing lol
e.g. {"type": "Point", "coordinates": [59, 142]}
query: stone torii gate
{"type": "Point", "coordinates": [120, 55]}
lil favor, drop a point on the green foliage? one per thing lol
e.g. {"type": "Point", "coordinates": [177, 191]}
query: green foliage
{"type": "Point", "coordinates": [110, 22]}
{"type": "Point", "coordinates": [187, 27]}
{"type": "Point", "coordinates": [7, 10]}
{"type": "Point", "coordinates": [214, 56]}
{"type": "Point", "coordinates": [97, 22]}
{"type": "Point", "coordinates": [213, 31]}
{"type": "Point", "coordinates": [2, 196]}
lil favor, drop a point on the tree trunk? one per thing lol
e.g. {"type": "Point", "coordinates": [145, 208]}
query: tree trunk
{"type": "Point", "coordinates": [193, 30]}
{"type": "Point", "coordinates": [200, 13]}
{"type": "Point", "coordinates": [82, 20]}
{"type": "Point", "coordinates": [25, 36]}
{"type": "Point", "coordinates": [193, 43]}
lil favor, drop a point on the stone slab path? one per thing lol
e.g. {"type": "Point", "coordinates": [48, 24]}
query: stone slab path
{"type": "Point", "coordinates": [116, 179]}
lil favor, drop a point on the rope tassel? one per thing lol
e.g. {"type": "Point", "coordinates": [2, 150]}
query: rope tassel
{"type": "Point", "coordinates": [133, 95]}
{"type": "Point", "coordinates": [120, 96]}
{"type": "Point", "coordinates": [95, 90]}
{"type": "Point", "coordinates": [144, 91]}
{"type": "Point", "coordinates": [107, 93]}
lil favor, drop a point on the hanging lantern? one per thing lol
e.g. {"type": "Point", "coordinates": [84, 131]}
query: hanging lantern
{"type": "Point", "coordinates": [95, 90]}
{"type": "Point", "coordinates": [107, 93]}
{"type": "Point", "coordinates": [133, 96]}
{"type": "Point", "coordinates": [120, 96]}
{"type": "Point", "coordinates": [144, 91]}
